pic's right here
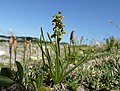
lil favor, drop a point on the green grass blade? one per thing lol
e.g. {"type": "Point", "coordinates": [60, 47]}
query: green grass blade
{"type": "Point", "coordinates": [54, 47]}
{"type": "Point", "coordinates": [83, 60]}
{"type": "Point", "coordinates": [46, 52]}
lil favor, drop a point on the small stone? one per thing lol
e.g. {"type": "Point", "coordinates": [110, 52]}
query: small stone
{"type": "Point", "coordinates": [80, 89]}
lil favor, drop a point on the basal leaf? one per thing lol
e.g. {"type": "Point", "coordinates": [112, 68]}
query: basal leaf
{"type": "Point", "coordinates": [5, 81]}
{"type": "Point", "coordinates": [20, 71]}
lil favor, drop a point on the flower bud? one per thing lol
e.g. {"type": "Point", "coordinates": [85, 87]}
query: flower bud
{"type": "Point", "coordinates": [63, 32]}
{"type": "Point", "coordinates": [15, 43]}
{"type": "Point", "coordinates": [29, 43]}
{"type": "Point", "coordinates": [62, 17]}
{"type": "Point", "coordinates": [53, 23]}
{"type": "Point", "coordinates": [59, 18]}
{"type": "Point", "coordinates": [25, 43]}
{"type": "Point", "coordinates": [11, 41]}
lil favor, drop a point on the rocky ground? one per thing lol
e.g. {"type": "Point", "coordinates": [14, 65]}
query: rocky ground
{"type": "Point", "coordinates": [35, 52]}
{"type": "Point", "coordinates": [5, 56]}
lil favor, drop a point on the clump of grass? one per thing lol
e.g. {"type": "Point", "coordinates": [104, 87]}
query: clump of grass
{"type": "Point", "coordinates": [110, 42]}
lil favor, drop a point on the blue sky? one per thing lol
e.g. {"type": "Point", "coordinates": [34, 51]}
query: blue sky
{"type": "Point", "coordinates": [88, 18]}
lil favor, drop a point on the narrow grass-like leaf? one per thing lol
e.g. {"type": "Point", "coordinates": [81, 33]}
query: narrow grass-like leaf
{"type": "Point", "coordinates": [83, 60]}
{"type": "Point", "coordinates": [46, 52]}
{"type": "Point", "coordinates": [41, 47]}
{"type": "Point", "coordinates": [39, 81]}
{"type": "Point", "coordinates": [54, 47]}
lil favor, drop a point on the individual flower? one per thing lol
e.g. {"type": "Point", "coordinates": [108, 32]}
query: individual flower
{"type": "Point", "coordinates": [25, 43]}
{"type": "Point", "coordinates": [11, 41]}
{"type": "Point", "coordinates": [15, 43]}
{"type": "Point", "coordinates": [29, 44]}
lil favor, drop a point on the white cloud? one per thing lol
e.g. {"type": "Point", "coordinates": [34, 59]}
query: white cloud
{"type": "Point", "coordinates": [10, 30]}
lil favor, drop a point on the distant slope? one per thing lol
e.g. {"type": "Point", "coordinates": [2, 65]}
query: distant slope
{"type": "Point", "coordinates": [19, 38]}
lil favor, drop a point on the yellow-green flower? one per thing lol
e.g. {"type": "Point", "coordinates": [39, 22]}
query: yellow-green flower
{"type": "Point", "coordinates": [58, 26]}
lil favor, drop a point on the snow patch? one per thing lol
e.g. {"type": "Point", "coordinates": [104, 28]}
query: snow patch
{"type": "Point", "coordinates": [2, 53]}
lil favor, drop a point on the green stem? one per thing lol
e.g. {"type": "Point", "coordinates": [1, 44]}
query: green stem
{"type": "Point", "coordinates": [24, 56]}
{"type": "Point", "coordinates": [57, 61]}
{"type": "Point", "coordinates": [69, 52]}
{"type": "Point", "coordinates": [74, 53]}
{"type": "Point", "coordinates": [58, 46]}
{"type": "Point", "coordinates": [30, 52]}
{"type": "Point", "coordinates": [15, 55]}
{"type": "Point", "coordinates": [10, 57]}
